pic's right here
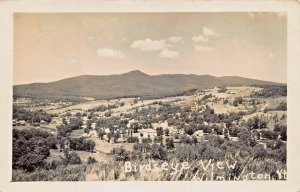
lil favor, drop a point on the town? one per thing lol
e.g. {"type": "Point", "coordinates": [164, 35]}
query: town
{"type": "Point", "coordinates": [244, 123]}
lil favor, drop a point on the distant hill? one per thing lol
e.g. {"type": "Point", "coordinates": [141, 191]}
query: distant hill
{"type": "Point", "coordinates": [134, 83]}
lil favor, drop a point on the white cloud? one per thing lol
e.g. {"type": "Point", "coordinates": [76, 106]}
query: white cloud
{"type": "Point", "coordinates": [169, 54]}
{"type": "Point", "coordinates": [110, 53]}
{"type": "Point", "coordinates": [175, 39]}
{"type": "Point", "coordinates": [204, 48]}
{"type": "Point", "coordinates": [200, 38]}
{"type": "Point", "coordinates": [209, 32]}
{"type": "Point", "coordinates": [149, 45]}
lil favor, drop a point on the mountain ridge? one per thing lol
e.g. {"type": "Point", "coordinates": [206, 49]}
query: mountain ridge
{"type": "Point", "coordinates": [133, 83]}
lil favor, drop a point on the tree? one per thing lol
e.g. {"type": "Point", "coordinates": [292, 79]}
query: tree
{"type": "Point", "coordinates": [245, 136]}
{"type": "Point", "coordinates": [134, 126]}
{"type": "Point", "coordinates": [31, 148]}
{"type": "Point", "coordinates": [207, 129]}
{"type": "Point", "coordinates": [237, 101]}
{"type": "Point", "coordinates": [91, 160]}
{"type": "Point", "coordinates": [159, 131]}
{"type": "Point", "coordinates": [259, 151]}
{"type": "Point", "coordinates": [281, 129]}
{"type": "Point", "coordinates": [225, 101]}
{"type": "Point", "coordinates": [167, 132]}
{"type": "Point", "coordinates": [30, 161]}
{"type": "Point", "coordinates": [218, 129]}
{"type": "Point", "coordinates": [222, 89]}
{"type": "Point", "coordinates": [169, 143]}
{"type": "Point", "coordinates": [73, 158]}
{"type": "Point", "coordinates": [120, 154]}
{"type": "Point", "coordinates": [158, 152]}
{"type": "Point", "coordinates": [189, 130]}
{"type": "Point", "coordinates": [86, 130]}
{"type": "Point", "coordinates": [101, 133]}
{"type": "Point", "coordinates": [64, 121]}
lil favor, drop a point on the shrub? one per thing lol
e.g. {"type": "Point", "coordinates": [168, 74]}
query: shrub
{"type": "Point", "coordinates": [167, 132]}
{"type": "Point", "coordinates": [120, 154]}
{"type": "Point", "coordinates": [132, 139]}
{"type": "Point", "coordinates": [158, 152]}
{"type": "Point", "coordinates": [91, 160]}
{"type": "Point", "coordinates": [237, 101]}
{"type": "Point", "coordinates": [71, 158]}
{"type": "Point", "coordinates": [169, 143]}
{"type": "Point", "coordinates": [82, 144]}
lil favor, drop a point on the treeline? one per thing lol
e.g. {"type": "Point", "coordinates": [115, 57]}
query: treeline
{"type": "Point", "coordinates": [53, 99]}
{"type": "Point", "coordinates": [66, 128]}
{"type": "Point", "coordinates": [213, 147]}
{"type": "Point", "coordinates": [103, 108]}
{"type": "Point", "coordinates": [31, 116]}
{"type": "Point", "coordinates": [271, 91]}
{"type": "Point", "coordinates": [282, 106]}
{"type": "Point", "coordinates": [82, 144]}
{"type": "Point", "coordinates": [31, 148]}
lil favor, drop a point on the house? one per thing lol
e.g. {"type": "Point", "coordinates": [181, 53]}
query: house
{"type": "Point", "coordinates": [107, 130]}
{"type": "Point", "coordinates": [22, 122]}
{"type": "Point", "coordinates": [93, 133]}
{"type": "Point", "coordinates": [112, 140]}
{"type": "Point", "coordinates": [199, 133]}
{"type": "Point", "coordinates": [140, 139]}
{"type": "Point", "coordinates": [122, 138]}
{"type": "Point", "coordinates": [85, 135]}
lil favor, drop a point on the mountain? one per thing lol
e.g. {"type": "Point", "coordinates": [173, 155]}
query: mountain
{"type": "Point", "coordinates": [134, 83]}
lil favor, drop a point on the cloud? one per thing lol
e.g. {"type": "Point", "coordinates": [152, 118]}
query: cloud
{"type": "Point", "coordinates": [168, 54]}
{"type": "Point", "coordinates": [110, 53]}
{"type": "Point", "coordinates": [175, 39]}
{"type": "Point", "coordinates": [149, 45]}
{"type": "Point", "coordinates": [203, 48]}
{"type": "Point", "coordinates": [209, 32]}
{"type": "Point", "coordinates": [200, 38]}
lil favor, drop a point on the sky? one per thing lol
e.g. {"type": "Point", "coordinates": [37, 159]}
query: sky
{"type": "Point", "coordinates": [53, 46]}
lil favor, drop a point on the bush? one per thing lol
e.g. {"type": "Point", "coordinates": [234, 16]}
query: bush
{"type": "Point", "coordinates": [71, 158]}
{"type": "Point", "coordinates": [271, 91]}
{"type": "Point", "coordinates": [169, 143]}
{"type": "Point", "coordinates": [70, 173]}
{"type": "Point", "coordinates": [158, 152]}
{"type": "Point", "coordinates": [91, 160]}
{"type": "Point", "coordinates": [256, 123]}
{"type": "Point", "coordinates": [237, 101]}
{"type": "Point", "coordinates": [132, 139]}
{"type": "Point", "coordinates": [167, 132]}
{"type": "Point", "coordinates": [120, 154]}
{"type": "Point", "coordinates": [82, 144]}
